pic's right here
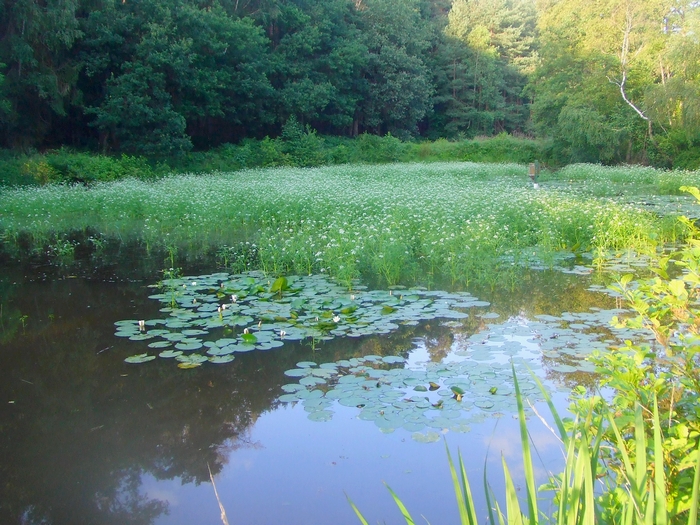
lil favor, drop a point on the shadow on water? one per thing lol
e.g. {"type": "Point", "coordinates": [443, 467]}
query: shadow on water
{"type": "Point", "coordinates": [79, 428]}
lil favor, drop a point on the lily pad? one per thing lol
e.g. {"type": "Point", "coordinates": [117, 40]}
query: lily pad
{"type": "Point", "coordinates": [263, 314]}
{"type": "Point", "coordinates": [321, 415]}
{"type": "Point", "coordinates": [219, 359]}
{"type": "Point", "coordinates": [428, 437]}
{"type": "Point", "coordinates": [169, 353]}
{"type": "Point", "coordinates": [139, 358]}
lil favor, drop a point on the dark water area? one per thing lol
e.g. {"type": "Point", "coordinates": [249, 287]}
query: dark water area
{"type": "Point", "coordinates": [88, 438]}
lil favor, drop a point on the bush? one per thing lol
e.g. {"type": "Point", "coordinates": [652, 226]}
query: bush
{"type": "Point", "coordinates": [65, 166]}
{"type": "Point", "coordinates": [302, 145]}
{"type": "Point", "coordinates": [375, 149]}
{"type": "Point", "coordinates": [297, 146]}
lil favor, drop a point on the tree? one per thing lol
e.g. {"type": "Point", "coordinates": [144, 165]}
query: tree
{"type": "Point", "coordinates": [598, 60]}
{"type": "Point", "coordinates": [486, 53]}
{"type": "Point", "coordinates": [163, 72]}
{"type": "Point", "coordinates": [40, 72]}
{"type": "Point", "coordinates": [674, 101]}
{"type": "Point", "coordinates": [398, 83]}
{"type": "Point", "coordinates": [319, 57]}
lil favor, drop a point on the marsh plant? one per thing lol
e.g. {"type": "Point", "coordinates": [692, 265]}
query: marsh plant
{"type": "Point", "coordinates": [400, 223]}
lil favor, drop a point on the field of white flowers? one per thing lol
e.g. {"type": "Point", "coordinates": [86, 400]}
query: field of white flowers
{"type": "Point", "coordinates": [397, 223]}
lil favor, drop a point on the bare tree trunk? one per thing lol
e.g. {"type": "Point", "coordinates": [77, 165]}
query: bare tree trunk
{"type": "Point", "coordinates": [624, 62]}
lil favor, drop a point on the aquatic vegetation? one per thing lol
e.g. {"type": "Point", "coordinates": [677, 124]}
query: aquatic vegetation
{"type": "Point", "coordinates": [472, 382]}
{"type": "Point", "coordinates": [253, 312]}
{"type": "Point", "coordinates": [400, 223]}
{"type": "Point", "coordinates": [427, 402]}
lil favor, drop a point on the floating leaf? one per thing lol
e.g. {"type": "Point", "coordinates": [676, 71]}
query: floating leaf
{"type": "Point", "coordinates": [428, 437]}
{"type": "Point", "coordinates": [297, 372]}
{"type": "Point", "coordinates": [220, 359]}
{"type": "Point", "coordinates": [188, 346]}
{"type": "Point", "coordinates": [249, 338]}
{"type": "Point", "coordinates": [139, 358]}
{"type": "Point", "coordinates": [160, 344]}
{"type": "Point", "coordinates": [321, 415]}
{"type": "Point", "coordinates": [186, 366]}
{"type": "Point", "coordinates": [170, 353]}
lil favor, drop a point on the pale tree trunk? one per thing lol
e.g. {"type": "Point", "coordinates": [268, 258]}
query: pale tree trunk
{"type": "Point", "coordinates": [624, 63]}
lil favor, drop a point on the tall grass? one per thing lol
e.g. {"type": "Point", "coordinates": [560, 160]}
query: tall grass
{"type": "Point", "coordinates": [401, 222]}
{"type": "Point", "coordinates": [608, 181]}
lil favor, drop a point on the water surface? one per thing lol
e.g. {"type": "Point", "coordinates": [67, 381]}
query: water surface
{"type": "Point", "coordinates": [88, 438]}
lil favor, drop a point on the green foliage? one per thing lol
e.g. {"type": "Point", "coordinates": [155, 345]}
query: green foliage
{"type": "Point", "coordinates": [484, 56]}
{"type": "Point", "coordinates": [162, 78]}
{"type": "Point", "coordinates": [40, 69]}
{"type": "Point", "coordinates": [65, 166]}
{"type": "Point", "coordinates": [303, 146]}
{"type": "Point", "coordinates": [398, 86]}
{"type": "Point", "coordinates": [660, 385]}
{"type": "Point", "coordinates": [164, 67]}
{"type": "Point", "coordinates": [502, 148]}
{"type": "Point", "coordinates": [611, 87]}
{"type": "Point", "coordinates": [397, 223]}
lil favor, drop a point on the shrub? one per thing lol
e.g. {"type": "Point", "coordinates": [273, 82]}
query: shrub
{"type": "Point", "coordinates": [302, 145]}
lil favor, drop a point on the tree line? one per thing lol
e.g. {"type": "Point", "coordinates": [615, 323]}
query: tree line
{"type": "Point", "coordinates": [610, 80]}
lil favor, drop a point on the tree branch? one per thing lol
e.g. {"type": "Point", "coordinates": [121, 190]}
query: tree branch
{"type": "Point", "coordinates": [621, 85]}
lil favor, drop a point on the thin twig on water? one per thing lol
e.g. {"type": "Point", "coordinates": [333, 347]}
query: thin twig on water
{"type": "Point", "coordinates": [224, 519]}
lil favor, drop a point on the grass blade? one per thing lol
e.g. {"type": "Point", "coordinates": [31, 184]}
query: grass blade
{"type": "Point", "coordinates": [548, 399]}
{"type": "Point", "coordinates": [640, 469]}
{"type": "Point", "coordinates": [489, 501]}
{"type": "Point", "coordinates": [401, 506]}
{"type": "Point", "coordinates": [660, 512]}
{"type": "Point", "coordinates": [465, 502]}
{"type": "Point", "coordinates": [527, 456]}
{"type": "Point", "coordinates": [513, 512]}
{"type": "Point", "coordinates": [585, 474]}
{"type": "Point", "coordinates": [357, 511]}
{"type": "Point", "coordinates": [694, 500]}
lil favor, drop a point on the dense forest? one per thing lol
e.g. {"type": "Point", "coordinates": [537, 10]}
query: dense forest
{"type": "Point", "coordinates": [606, 80]}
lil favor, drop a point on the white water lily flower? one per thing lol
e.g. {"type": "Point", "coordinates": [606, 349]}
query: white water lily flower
{"type": "Point", "coordinates": [336, 319]}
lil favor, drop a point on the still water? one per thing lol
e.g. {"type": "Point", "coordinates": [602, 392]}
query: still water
{"type": "Point", "coordinates": [88, 438]}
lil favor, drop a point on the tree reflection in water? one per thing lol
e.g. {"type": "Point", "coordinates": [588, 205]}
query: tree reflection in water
{"type": "Point", "coordinates": [80, 429]}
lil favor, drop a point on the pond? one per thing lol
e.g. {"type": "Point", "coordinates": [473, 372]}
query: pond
{"type": "Point", "coordinates": [86, 437]}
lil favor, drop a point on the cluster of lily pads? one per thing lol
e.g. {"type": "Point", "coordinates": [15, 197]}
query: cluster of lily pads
{"type": "Point", "coordinates": [474, 381]}
{"type": "Point", "coordinates": [254, 312]}
{"type": "Point", "coordinates": [427, 402]}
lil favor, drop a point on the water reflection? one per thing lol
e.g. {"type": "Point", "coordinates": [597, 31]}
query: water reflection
{"type": "Point", "coordinates": [87, 438]}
